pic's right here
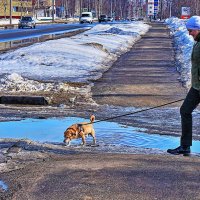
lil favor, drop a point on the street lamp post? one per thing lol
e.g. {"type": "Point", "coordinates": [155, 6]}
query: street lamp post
{"type": "Point", "coordinates": [21, 8]}
{"type": "Point", "coordinates": [53, 2]}
{"type": "Point", "coordinates": [10, 11]}
{"type": "Point", "coordinates": [161, 9]}
{"type": "Point", "coordinates": [170, 8]}
{"type": "Point", "coordinates": [111, 12]}
{"type": "Point", "coordinates": [99, 12]}
{"type": "Point", "coordinates": [89, 9]}
{"type": "Point", "coordinates": [5, 8]}
{"type": "Point", "coordinates": [80, 11]}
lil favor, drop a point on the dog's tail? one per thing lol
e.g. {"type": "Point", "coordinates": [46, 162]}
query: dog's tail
{"type": "Point", "coordinates": [92, 118]}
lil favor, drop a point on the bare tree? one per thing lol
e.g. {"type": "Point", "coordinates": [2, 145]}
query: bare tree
{"type": "Point", "coordinates": [195, 7]}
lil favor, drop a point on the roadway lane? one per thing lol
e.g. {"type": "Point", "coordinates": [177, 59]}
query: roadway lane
{"type": "Point", "coordinates": [16, 34]}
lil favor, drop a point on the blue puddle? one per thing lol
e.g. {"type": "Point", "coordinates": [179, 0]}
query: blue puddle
{"type": "Point", "coordinates": [3, 185]}
{"type": "Point", "coordinates": [107, 133]}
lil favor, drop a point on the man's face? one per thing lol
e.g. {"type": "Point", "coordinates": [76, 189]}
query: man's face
{"type": "Point", "coordinates": [193, 33]}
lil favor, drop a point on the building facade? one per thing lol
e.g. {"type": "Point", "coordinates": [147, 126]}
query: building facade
{"type": "Point", "coordinates": [25, 8]}
{"type": "Point", "coordinates": [19, 8]}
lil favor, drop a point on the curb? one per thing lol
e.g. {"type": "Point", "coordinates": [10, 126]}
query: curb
{"type": "Point", "coordinates": [27, 100]}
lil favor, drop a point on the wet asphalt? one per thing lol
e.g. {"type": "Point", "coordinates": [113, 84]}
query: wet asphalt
{"type": "Point", "coordinates": [107, 177]}
{"type": "Point", "coordinates": [144, 76]}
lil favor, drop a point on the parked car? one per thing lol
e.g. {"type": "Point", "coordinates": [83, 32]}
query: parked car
{"type": "Point", "coordinates": [117, 18]}
{"type": "Point", "coordinates": [110, 19]}
{"type": "Point", "coordinates": [133, 19]}
{"type": "Point", "coordinates": [140, 18]}
{"type": "Point", "coordinates": [86, 17]}
{"type": "Point", "coordinates": [103, 18]}
{"type": "Point", "coordinates": [27, 22]}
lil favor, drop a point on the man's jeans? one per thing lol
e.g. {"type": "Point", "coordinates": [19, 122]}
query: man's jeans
{"type": "Point", "coordinates": [190, 103]}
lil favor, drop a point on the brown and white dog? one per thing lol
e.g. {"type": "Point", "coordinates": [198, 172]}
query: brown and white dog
{"type": "Point", "coordinates": [81, 130]}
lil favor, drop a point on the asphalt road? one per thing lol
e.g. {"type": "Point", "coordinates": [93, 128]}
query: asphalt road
{"type": "Point", "coordinates": [17, 38]}
{"type": "Point", "coordinates": [16, 34]}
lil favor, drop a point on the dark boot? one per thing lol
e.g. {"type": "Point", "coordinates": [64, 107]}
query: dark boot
{"type": "Point", "coordinates": [180, 150]}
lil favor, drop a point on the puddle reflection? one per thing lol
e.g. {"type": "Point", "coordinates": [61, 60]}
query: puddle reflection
{"type": "Point", "coordinates": [107, 133]}
{"type": "Point", "coordinates": [3, 185]}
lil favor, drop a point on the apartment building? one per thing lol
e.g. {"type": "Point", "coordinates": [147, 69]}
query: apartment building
{"type": "Point", "coordinates": [25, 8]}
{"type": "Point", "coordinates": [19, 8]}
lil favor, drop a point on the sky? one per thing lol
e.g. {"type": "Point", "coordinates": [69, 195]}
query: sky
{"type": "Point", "coordinates": [48, 65]}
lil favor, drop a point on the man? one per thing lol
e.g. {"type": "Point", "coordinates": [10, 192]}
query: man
{"type": "Point", "coordinates": [193, 97]}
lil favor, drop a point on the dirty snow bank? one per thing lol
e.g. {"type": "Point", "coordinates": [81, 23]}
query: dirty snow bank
{"type": "Point", "coordinates": [183, 44]}
{"type": "Point", "coordinates": [46, 66]}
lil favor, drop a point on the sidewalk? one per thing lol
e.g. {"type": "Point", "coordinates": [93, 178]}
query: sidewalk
{"type": "Point", "coordinates": [91, 176]}
{"type": "Point", "coordinates": [144, 76]}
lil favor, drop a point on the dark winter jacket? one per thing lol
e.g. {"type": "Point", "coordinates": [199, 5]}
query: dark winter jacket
{"type": "Point", "coordinates": [195, 71]}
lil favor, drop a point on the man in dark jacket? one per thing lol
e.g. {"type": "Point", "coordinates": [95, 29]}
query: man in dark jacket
{"type": "Point", "coordinates": [193, 97]}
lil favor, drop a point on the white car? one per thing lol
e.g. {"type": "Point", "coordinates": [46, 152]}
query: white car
{"type": "Point", "coordinates": [86, 17]}
{"type": "Point", "coordinates": [110, 19]}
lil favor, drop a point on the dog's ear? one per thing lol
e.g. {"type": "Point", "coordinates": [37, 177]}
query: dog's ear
{"type": "Point", "coordinates": [92, 118]}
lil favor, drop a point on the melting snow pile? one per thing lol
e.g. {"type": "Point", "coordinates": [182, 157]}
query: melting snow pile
{"type": "Point", "coordinates": [47, 66]}
{"type": "Point", "coordinates": [15, 83]}
{"type": "Point", "coordinates": [183, 45]}
{"type": "Point", "coordinates": [120, 32]}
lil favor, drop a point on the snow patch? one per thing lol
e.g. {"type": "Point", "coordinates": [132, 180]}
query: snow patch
{"type": "Point", "coordinates": [120, 32]}
{"type": "Point", "coordinates": [183, 45]}
{"type": "Point", "coordinates": [83, 58]}
{"type": "Point", "coordinates": [16, 83]}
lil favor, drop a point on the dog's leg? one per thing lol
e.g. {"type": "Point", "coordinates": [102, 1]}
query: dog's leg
{"type": "Point", "coordinates": [83, 141]}
{"type": "Point", "coordinates": [83, 138]}
{"type": "Point", "coordinates": [94, 140]}
{"type": "Point", "coordinates": [93, 135]}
